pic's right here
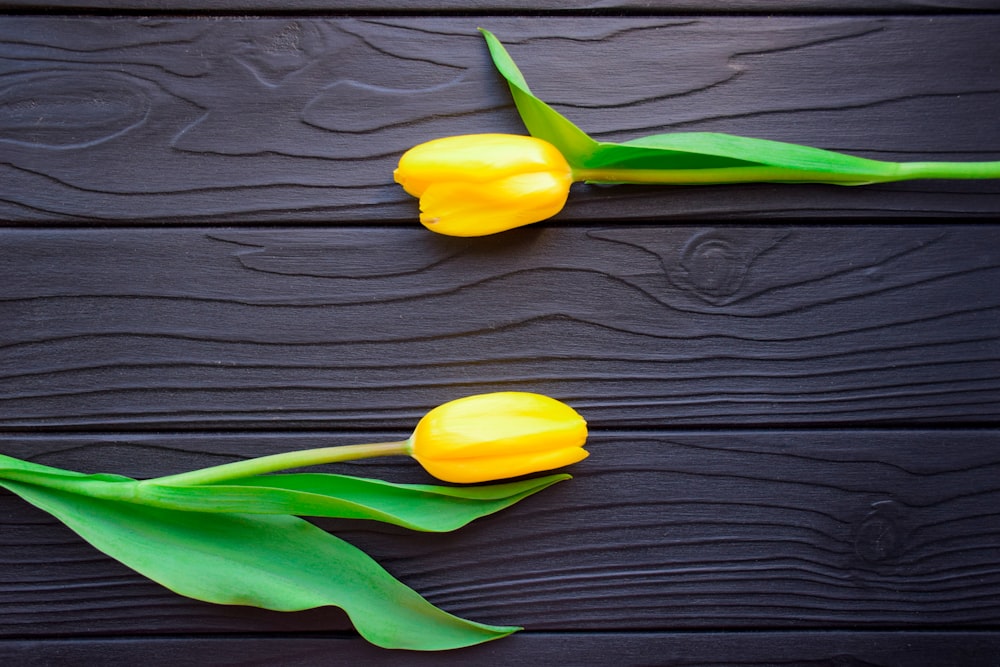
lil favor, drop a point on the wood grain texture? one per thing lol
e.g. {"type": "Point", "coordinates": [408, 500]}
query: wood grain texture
{"type": "Point", "coordinates": [637, 326]}
{"type": "Point", "coordinates": [795, 446]}
{"type": "Point", "coordinates": [558, 7]}
{"type": "Point", "coordinates": [298, 119]}
{"type": "Point", "coordinates": [715, 649]}
{"type": "Point", "coordinates": [657, 531]}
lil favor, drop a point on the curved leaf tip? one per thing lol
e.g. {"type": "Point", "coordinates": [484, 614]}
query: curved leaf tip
{"type": "Point", "coordinates": [541, 120]}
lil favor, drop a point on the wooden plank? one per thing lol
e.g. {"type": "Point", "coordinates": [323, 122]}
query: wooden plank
{"type": "Point", "coordinates": [240, 120]}
{"type": "Point", "coordinates": [636, 326]}
{"type": "Point", "coordinates": [905, 649]}
{"type": "Point", "coordinates": [657, 531]}
{"type": "Point", "coordinates": [559, 7]}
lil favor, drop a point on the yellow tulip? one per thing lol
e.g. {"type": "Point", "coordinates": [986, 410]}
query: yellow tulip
{"type": "Point", "coordinates": [478, 184]}
{"type": "Point", "coordinates": [494, 436]}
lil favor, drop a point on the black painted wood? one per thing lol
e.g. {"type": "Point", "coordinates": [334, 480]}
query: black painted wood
{"type": "Point", "coordinates": [657, 531]}
{"type": "Point", "coordinates": [636, 326]}
{"type": "Point", "coordinates": [241, 120]}
{"type": "Point", "coordinates": [884, 649]}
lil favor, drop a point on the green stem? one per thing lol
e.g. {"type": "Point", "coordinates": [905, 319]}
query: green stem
{"type": "Point", "coordinates": [881, 172]}
{"type": "Point", "coordinates": [949, 169]}
{"type": "Point", "coordinates": [277, 462]}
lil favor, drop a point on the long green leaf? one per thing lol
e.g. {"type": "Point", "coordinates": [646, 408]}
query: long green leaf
{"type": "Point", "coordinates": [713, 150]}
{"type": "Point", "coordinates": [13, 466]}
{"type": "Point", "coordinates": [276, 562]}
{"type": "Point", "coordinates": [414, 506]}
{"type": "Point", "coordinates": [706, 157]}
{"type": "Point", "coordinates": [674, 151]}
{"type": "Point", "coordinates": [422, 507]}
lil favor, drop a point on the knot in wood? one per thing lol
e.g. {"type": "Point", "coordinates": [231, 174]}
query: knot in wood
{"type": "Point", "coordinates": [714, 265]}
{"type": "Point", "coordinates": [879, 536]}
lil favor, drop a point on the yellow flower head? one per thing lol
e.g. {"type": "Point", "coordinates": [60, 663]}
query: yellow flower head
{"type": "Point", "coordinates": [494, 436]}
{"type": "Point", "coordinates": [479, 184]}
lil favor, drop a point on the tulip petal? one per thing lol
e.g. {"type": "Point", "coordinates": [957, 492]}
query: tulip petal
{"type": "Point", "coordinates": [499, 435]}
{"type": "Point", "coordinates": [471, 209]}
{"type": "Point", "coordinates": [474, 158]}
{"type": "Point", "coordinates": [475, 470]}
{"type": "Point", "coordinates": [499, 424]}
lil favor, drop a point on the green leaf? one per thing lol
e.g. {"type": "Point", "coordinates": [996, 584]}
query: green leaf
{"type": "Point", "coordinates": [276, 562]}
{"type": "Point", "coordinates": [422, 507]}
{"type": "Point", "coordinates": [703, 157]}
{"type": "Point", "coordinates": [415, 506]}
{"type": "Point", "coordinates": [101, 485]}
{"type": "Point", "coordinates": [712, 150]}
{"type": "Point", "coordinates": [12, 466]}
{"type": "Point", "coordinates": [539, 118]}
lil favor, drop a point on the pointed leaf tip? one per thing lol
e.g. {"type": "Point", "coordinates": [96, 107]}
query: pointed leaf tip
{"type": "Point", "coordinates": [541, 120]}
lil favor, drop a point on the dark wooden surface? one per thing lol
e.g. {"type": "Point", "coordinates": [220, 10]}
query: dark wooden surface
{"type": "Point", "coordinates": [790, 529]}
{"type": "Point", "coordinates": [557, 7]}
{"type": "Point", "coordinates": [651, 326]}
{"type": "Point", "coordinates": [793, 390]}
{"type": "Point", "coordinates": [283, 119]}
{"type": "Point", "coordinates": [923, 649]}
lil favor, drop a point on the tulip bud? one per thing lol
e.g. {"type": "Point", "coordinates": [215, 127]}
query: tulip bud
{"type": "Point", "coordinates": [479, 184]}
{"type": "Point", "coordinates": [494, 436]}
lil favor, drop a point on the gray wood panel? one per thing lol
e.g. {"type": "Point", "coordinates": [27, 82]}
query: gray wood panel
{"type": "Point", "coordinates": [637, 326]}
{"type": "Point", "coordinates": [793, 390]}
{"type": "Point", "coordinates": [133, 119]}
{"type": "Point", "coordinates": [557, 7]}
{"type": "Point", "coordinates": [656, 531]}
{"type": "Point", "coordinates": [592, 649]}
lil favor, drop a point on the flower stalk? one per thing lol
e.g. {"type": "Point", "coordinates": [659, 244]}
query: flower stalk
{"type": "Point", "coordinates": [277, 462]}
